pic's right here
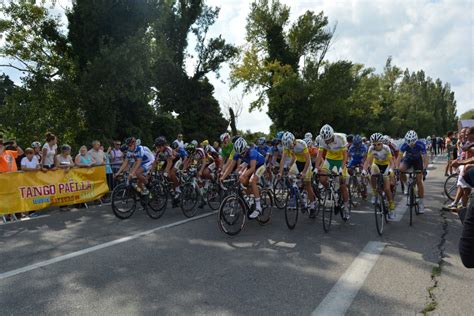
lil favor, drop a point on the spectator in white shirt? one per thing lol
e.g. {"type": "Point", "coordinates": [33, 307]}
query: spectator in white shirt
{"type": "Point", "coordinates": [180, 141]}
{"type": "Point", "coordinates": [49, 152]}
{"type": "Point", "coordinates": [30, 162]}
{"type": "Point", "coordinates": [97, 154]}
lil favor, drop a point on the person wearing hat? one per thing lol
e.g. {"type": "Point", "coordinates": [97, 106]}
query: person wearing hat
{"type": "Point", "coordinates": [7, 157]}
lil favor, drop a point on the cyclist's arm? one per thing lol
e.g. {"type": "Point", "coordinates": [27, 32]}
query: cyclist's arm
{"type": "Point", "coordinates": [229, 168]}
{"type": "Point", "coordinates": [251, 168]}
{"type": "Point", "coordinates": [282, 162]}
{"type": "Point", "coordinates": [344, 159]}
{"type": "Point", "coordinates": [169, 165]}
{"type": "Point", "coordinates": [307, 164]}
{"type": "Point", "coordinates": [319, 160]}
{"type": "Point", "coordinates": [368, 162]}
{"type": "Point", "coordinates": [135, 166]}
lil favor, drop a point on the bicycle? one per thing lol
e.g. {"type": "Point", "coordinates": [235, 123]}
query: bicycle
{"type": "Point", "coordinates": [358, 184]}
{"type": "Point", "coordinates": [332, 201]}
{"type": "Point", "coordinates": [380, 205]}
{"type": "Point", "coordinates": [297, 200]}
{"type": "Point", "coordinates": [237, 206]}
{"type": "Point", "coordinates": [125, 197]}
{"type": "Point", "coordinates": [190, 193]}
{"type": "Point", "coordinates": [412, 202]}
{"type": "Point", "coordinates": [280, 192]}
{"type": "Point", "coordinates": [450, 186]}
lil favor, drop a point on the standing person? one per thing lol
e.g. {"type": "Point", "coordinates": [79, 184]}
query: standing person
{"type": "Point", "coordinates": [97, 153]}
{"type": "Point", "coordinates": [64, 159]}
{"type": "Point", "coordinates": [441, 144]}
{"type": "Point", "coordinates": [30, 162]}
{"type": "Point", "coordinates": [7, 157]}
{"type": "Point", "coordinates": [434, 144]}
{"type": "Point", "coordinates": [180, 141]}
{"type": "Point", "coordinates": [83, 158]}
{"type": "Point", "coordinates": [116, 156]}
{"type": "Point", "coordinates": [451, 142]}
{"type": "Point", "coordinates": [49, 152]}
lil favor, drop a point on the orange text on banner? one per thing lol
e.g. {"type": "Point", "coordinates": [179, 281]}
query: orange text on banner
{"type": "Point", "coordinates": [29, 191]}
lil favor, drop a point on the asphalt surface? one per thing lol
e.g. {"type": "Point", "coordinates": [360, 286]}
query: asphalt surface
{"type": "Point", "coordinates": [190, 267]}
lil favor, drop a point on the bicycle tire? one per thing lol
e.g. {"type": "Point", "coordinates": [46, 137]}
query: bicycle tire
{"type": "Point", "coordinates": [232, 214]}
{"type": "Point", "coordinates": [280, 192]}
{"type": "Point", "coordinates": [450, 186]}
{"type": "Point", "coordinates": [291, 214]}
{"type": "Point", "coordinates": [157, 201]}
{"type": "Point", "coordinates": [188, 200]}
{"type": "Point", "coordinates": [123, 193]}
{"type": "Point", "coordinates": [411, 194]}
{"type": "Point", "coordinates": [379, 215]}
{"type": "Point", "coordinates": [328, 210]}
{"type": "Point", "coordinates": [214, 196]}
{"type": "Point", "coordinates": [266, 202]}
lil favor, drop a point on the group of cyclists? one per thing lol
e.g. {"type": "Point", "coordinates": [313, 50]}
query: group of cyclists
{"type": "Point", "coordinates": [327, 153]}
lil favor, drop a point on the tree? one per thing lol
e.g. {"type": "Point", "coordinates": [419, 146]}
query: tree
{"type": "Point", "coordinates": [468, 115]}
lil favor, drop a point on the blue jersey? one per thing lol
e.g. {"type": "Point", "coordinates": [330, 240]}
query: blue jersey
{"type": "Point", "coordinates": [141, 152]}
{"type": "Point", "coordinates": [264, 150]}
{"type": "Point", "coordinates": [182, 153]}
{"type": "Point", "coordinates": [357, 154]}
{"type": "Point", "coordinates": [251, 154]}
{"type": "Point", "coordinates": [415, 152]}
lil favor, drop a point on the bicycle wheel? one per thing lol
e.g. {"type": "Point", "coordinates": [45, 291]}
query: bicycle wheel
{"type": "Point", "coordinates": [450, 186]}
{"type": "Point", "coordinates": [328, 210]}
{"type": "Point", "coordinates": [232, 215]}
{"type": "Point", "coordinates": [157, 201]}
{"type": "Point", "coordinates": [214, 196]}
{"type": "Point", "coordinates": [267, 205]}
{"type": "Point", "coordinates": [280, 192]}
{"type": "Point", "coordinates": [379, 215]}
{"type": "Point", "coordinates": [123, 201]}
{"type": "Point", "coordinates": [291, 208]}
{"type": "Point", "coordinates": [188, 200]}
{"type": "Point", "coordinates": [411, 199]}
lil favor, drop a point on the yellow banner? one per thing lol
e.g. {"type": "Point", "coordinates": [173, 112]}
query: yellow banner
{"type": "Point", "coordinates": [29, 191]}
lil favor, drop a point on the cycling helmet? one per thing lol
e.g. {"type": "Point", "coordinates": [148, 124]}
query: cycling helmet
{"type": "Point", "coordinates": [357, 141]}
{"type": "Point", "coordinates": [275, 142]}
{"type": "Point", "coordinates": [326, 132]}
{"type": "Point", "coordinates": [175, 145]}
{"type": "Point", "coordinates": [260, 141]}
{"type": "Point", "coordinates": [288, 139]}
{"type": "Point", "coordinates": [376, 137]}
{"type": "Point", "coordinates": [205, 143]}
{"type": "Point", "coordinates": [386, 139]}
{"type": "Point", "coordinates": [308, 135]}
{"type": "Point", "coordinates": [279, 135]}
{"type": "Point", "coordinates": [191, 148]}
{"type": "Point", "coordinates": [139, 142]}
{"type": "Point", "coordinates": [124, 148]}
{"type": "Point", "coordinates": [234, 138]}
{"type": "Point", "coordinates": [350, 138]}
{"type": "Point", "coordinates": [129, 141]}
{"type": "Point", "coordinates": [35, 144]}
{"type": "Point", "coordinates": [308, 141]}
{"type": "Point", "coordinates": [224, 136]}
{"type": "Point", "coordinates": [411, 137]}
{"type": "Point", "coordinates": [317, 141]}
{"type": "Point", "coordinates": [160, 141]}
{"type": "Point", "coordinates": [240, 145]}
{"type": "Point", "coordinates": [428, 138]}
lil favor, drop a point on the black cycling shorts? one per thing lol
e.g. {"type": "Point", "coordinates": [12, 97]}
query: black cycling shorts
{"type": "Point", "coordinates": [416, 164]}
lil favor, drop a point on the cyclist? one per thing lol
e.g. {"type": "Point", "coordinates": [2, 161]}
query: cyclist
{"type": "Point", "coordinates": [254, 164]}
{"type": "Point", "coordinates": [349, 139]}
{"type": "Point", "coordinates": [181, 156]}
{"type": "Point", "coordinates": [357, 153]}
{"type": "Point", "coordinates": [169, 157]}
{"type": "Point", "coordinates": [214, 159]}
{"type": "Point", "coordinates": [333, 155]}
{"type": "Point", "coordinates": [313, 150]}
{"type": "Point", "coordinates": [300, 163]}
{"type": "Point", "coordinates": [380, 160]}
{"type": "Point", "coordinates": [226, 146]}
{"type": "Point", "coordinates": [414, 156]}
{"type": "Point", "coordinates": [143, 161]}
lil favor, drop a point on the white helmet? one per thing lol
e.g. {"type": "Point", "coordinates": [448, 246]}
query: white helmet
{"type": "Point", "coordinates": [240, 145]}
{"type": "Point", "coordinates": [308, 141]}
{"type": "Point", "coordinates": [411, 137]}
{"type": "Point", "coordinates": [376, 137]}
{"type": "Point", "coordinates": [308, 135]}
{"type": "Point", "coordinates": [386, 139]}
{"type": "Point", "coordinates": [224, 136]}
{"type": "Point", "coordinates": [288, 139]}
{"type": "Point", "coordinates": [326, 132]}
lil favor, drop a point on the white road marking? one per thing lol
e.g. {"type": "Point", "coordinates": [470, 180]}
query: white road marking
{"type": "Point", "coordinates": [71, 255]}
{"type": "Point", "coordinates": [400, 210]}
{"type": "Point", "coordinates": [338, 300]}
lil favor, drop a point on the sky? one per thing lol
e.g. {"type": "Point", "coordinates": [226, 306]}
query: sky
{"type": "Point", "coordinates": [434, 35]}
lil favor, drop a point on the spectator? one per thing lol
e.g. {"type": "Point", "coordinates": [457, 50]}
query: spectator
{"type": "Point", "coordinates": [7, 157]}
{"type": "Point", "coordinates": [30, 162]}
{"type": "Point", "coordinates": [108, 170]}
{"type": "Point", "coordinates": [465, 170]}
{"type": "Point", "coordinates": [451, 141]}
{"type": "Point", "coordinates": [116, 156]}
{"type": "Point", "coordinates": [180, 141]}
{"type": "Point", "coordinates": [49, 152]}
{"type": "Point", "coordinates": [64, 160]}
{"type": "Point", "coordinates": [217, 147]}
{"type": "Point", "coordinates": [97, 154]}
{"type": "Point", "coordinates": [83, 158]}
{"type": "Point", "coordinates": [466, 244]}
{"type": "Point", "coordinates": [37, 150]}
{"type": "Point", "coordinates": [434, 144]}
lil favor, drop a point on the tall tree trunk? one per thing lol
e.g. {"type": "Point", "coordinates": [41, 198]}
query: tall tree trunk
{"type": "Point", "coordinates": [232, 121]}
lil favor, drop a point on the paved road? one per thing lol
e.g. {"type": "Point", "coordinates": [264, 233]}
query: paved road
{"type": "Point", "coordinates": [79, 262]}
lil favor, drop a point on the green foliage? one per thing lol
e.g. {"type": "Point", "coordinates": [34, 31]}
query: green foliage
{"type": "Point", "coordinates": [468, 115]}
